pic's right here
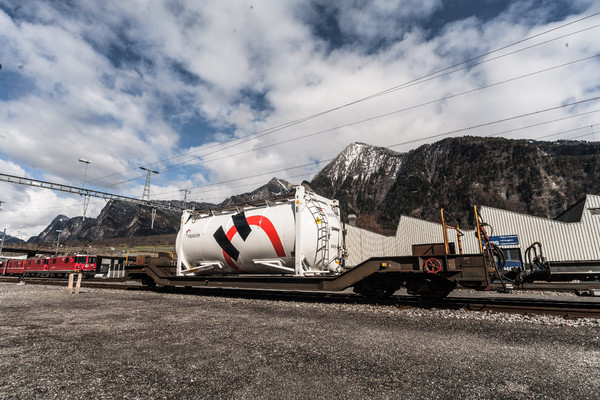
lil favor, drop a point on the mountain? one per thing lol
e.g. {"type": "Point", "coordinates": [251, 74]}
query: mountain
{"type": "Point", "coordinates": [119, 219]}
{"type": "Point", "coordinates": [274, 188]}
{"type": "Point", "coordinates": [538, 178]}
{"type": "Point", "coordinates": [11, 239]}
{"type": "Point", "coordinates": [360, 177]}
{"type": "Point", "coordinates": [65, 226]}
{"type": "Point", "coordinates": [380, 185]}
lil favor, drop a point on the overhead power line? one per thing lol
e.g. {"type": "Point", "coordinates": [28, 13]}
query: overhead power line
{"type": "Point", "coordinates": [426, 78]}
{"type": "Point", "coordinates": [568, 131]}
{"type": "Point", "coordinates": [387, 115]}
{"type": "Point", "coordinates": [191, 189]}
{"type": "Point", "coordinates": [432, 75]}
{"type": "Point", "coordinates": [447, 133]}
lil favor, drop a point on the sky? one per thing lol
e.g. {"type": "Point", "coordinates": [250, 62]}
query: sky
{"type": "Point", "coordinates": [221, 96]}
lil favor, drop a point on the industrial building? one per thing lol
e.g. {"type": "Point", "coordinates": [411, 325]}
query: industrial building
{"type": "Point", "coordinates": [570, 242]}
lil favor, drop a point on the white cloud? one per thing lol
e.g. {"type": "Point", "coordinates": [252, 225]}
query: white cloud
{"type": "Point", "coordinates": [384, 19]}
{"type": "Point", "coordinates": [113, 82]}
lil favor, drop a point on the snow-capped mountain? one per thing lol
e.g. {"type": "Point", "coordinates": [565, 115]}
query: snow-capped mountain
{"type": "Point", "coordinates": [360, 176]}
{"type": "Point", "coordinates": [538, 178]}
{"type": "Point", "coordinates": [380, 185]}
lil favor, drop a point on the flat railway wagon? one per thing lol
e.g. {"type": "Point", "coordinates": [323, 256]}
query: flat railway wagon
{"type": "Point", "coordinates": [51, 266]}
{"type": "Point", "coordinates": [297, 243]}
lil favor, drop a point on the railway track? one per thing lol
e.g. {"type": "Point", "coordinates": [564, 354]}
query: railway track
{"type": "Point", "coordinates": [555, 286]}
{"type": "Point", "coordinates": [515, 305]}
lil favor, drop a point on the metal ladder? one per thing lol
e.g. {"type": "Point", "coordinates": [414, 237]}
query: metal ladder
{"type": "Point", "coordinates": [322, 230]}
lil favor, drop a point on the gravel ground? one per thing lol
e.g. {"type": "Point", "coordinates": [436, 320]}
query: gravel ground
{"type": "Point", "coordinates": [105, 344]}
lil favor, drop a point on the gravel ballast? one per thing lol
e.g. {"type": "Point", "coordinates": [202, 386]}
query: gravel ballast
{"type": "Point", "coordinates": [106, 344]}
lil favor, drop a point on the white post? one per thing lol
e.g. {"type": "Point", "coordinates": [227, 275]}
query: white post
{"type": "Point", "coordinates": [298, 206]}
{"type": "Point", "coordinates": [57, 239]}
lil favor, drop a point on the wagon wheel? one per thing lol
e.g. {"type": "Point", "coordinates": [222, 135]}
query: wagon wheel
{"type": "Point", "coordinates": [433, 265]}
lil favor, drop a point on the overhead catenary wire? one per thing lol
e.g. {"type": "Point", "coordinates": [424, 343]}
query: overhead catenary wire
{"type": "Point", "coordinates": [250, 184]}
{"type": "Point", "coordinates": [283, 126]}
{"type": "Point", "coordinates": [447, 133]}
{"type": "Point", "coordinates": [568, 131]}
{"type": "Point", "coordinates": [584, 135]}
{"type": "Point", "coordinates": [380, 116]}
{"type": "Point", "coordinates": [253, 184]}
{"type": "Point", "coordinates": [424, 78]}
{"type": "Point", "coordinates": [201, 187]}
{"type": "Point", "coordinates": [191, 189]}
{"type": "Point", "coordinates": [543, 123]}
{"type": "Point", "coordinates": [403, 86]}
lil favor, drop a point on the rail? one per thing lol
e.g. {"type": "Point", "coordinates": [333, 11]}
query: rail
{"type": "Point", "coordinates": [514, 305]}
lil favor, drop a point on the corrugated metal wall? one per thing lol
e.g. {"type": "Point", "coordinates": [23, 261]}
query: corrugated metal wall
{"type": "Point", "coordinates": [561, 241]}
{"type": "Point", "coordinates": [415, 231]}
{"type": "Point", "coordinates": [363, 244]}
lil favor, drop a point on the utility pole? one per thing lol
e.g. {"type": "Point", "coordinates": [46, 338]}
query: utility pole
{"type": "Point", "coordinates": [2, 243]}
{"type": "Point", "coordinates": [4, 233]}
{"type": "Point", "coordinates": [185, 193]}
{"type": "Point", "coordinates": [146, 194]}
{"type": "Point", "coordinates": [57, 240]}
{"type": "Point", "coordinates": [86, 199]}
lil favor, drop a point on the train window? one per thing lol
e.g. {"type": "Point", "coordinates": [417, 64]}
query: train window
{"type": "Point", "coordinates": [46, 261]}
{"type": "Point", "coordinates": [92, 260]}
{"type": "Point", "coordinates": [54, 261]}
{"type": "Point", "coordinates": [37, 261]}
{"type": "Point", "coordinates": [81, 260]}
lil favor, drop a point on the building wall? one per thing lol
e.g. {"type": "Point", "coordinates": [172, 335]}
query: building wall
{"type": "Point", "coordinates": [561, 241]}
{"type": "Point", "coordinates": [363, 244]}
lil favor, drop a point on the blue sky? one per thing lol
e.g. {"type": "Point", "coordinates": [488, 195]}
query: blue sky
{"type": "Point", "coordinates": [206, 92]}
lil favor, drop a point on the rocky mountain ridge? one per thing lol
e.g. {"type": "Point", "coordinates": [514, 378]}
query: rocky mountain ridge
{"type": "Point", "coordinates": [360, 177]}
{"type": "Point", "coordinates": [380, 185]}
{"type": "Point", "coordinates": [11, 239]}
{"type": "Point", "coordinates": [537, 178]}
{"type": "Point", "coordinates": [122, 219]}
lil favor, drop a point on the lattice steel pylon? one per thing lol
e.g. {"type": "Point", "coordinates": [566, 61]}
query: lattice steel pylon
{"type": "Point", "coordinates": [146, 194]}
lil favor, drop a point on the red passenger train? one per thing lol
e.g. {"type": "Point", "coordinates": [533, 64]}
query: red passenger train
{"type": "Point", "coordinates": [50, 266]}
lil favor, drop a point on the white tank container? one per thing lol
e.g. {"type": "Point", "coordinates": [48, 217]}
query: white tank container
{"type": "Point", "coordinates": [301, 235]}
